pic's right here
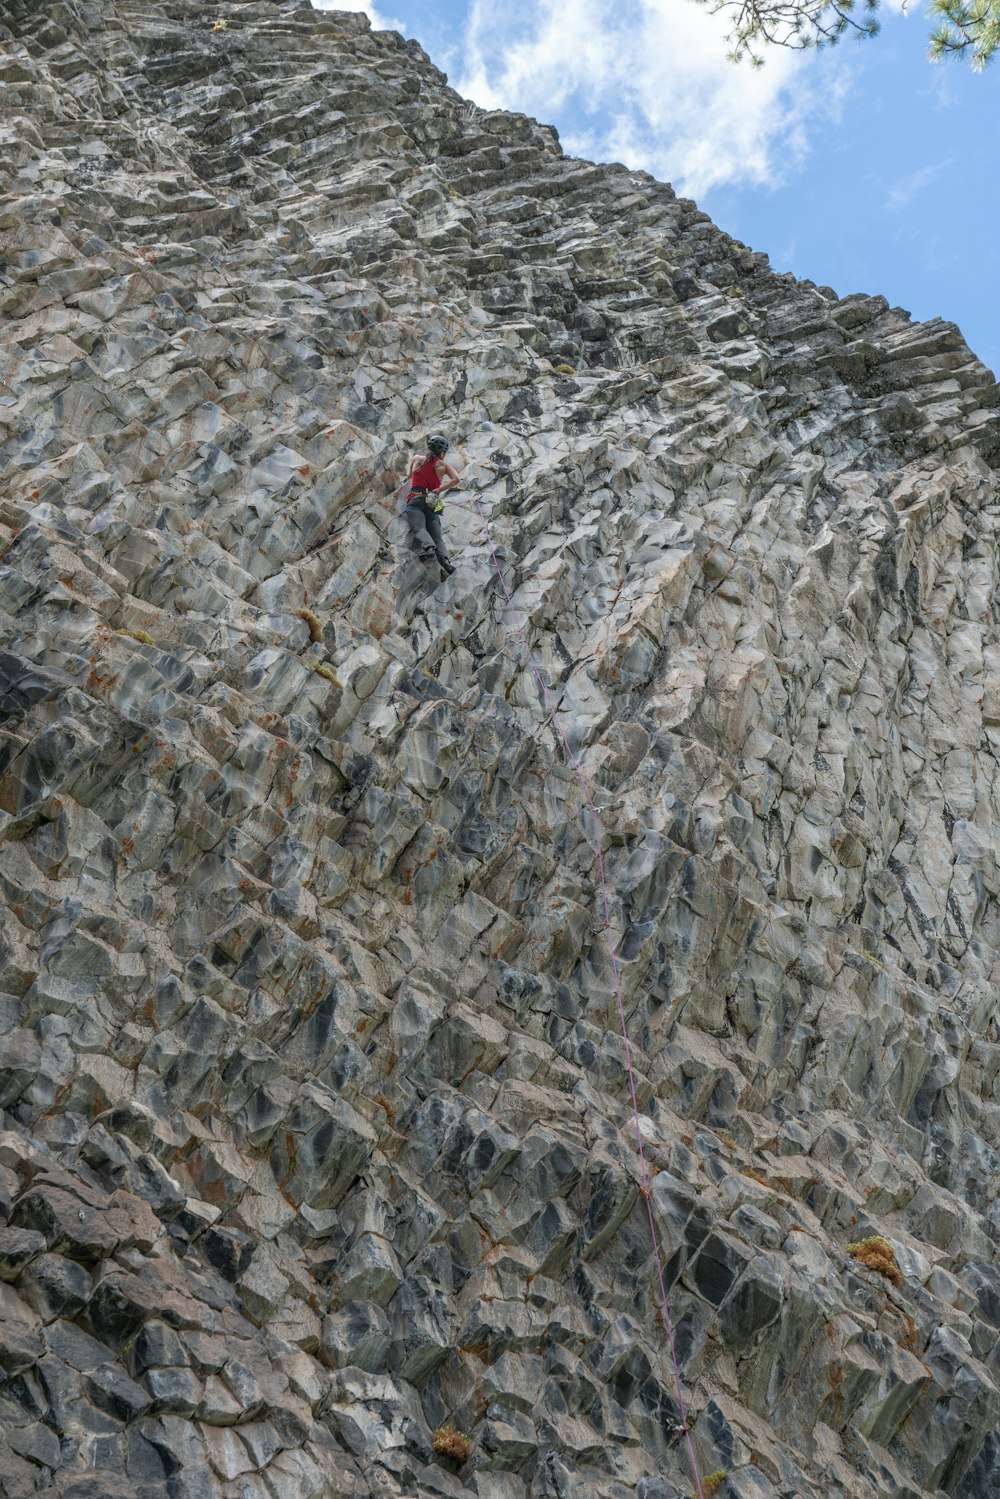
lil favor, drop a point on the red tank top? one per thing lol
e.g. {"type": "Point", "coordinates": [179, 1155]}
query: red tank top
{"type": "Point", "coordinates": [426, 476]}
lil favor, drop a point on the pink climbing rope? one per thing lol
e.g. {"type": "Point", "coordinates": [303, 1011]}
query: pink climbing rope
{"type": "Point", "coordinates": [606, 899]}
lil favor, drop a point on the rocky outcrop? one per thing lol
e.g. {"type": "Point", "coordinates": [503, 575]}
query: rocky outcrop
{"type": "Point", "coordinates": [317, 1134]}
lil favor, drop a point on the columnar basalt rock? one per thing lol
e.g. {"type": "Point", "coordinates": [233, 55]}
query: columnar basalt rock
{"type": "Point", "coordinates": [317, 1134]}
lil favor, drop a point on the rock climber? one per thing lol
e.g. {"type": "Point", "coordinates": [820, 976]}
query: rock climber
{"type": "Point", "coordinates": [430, 479]}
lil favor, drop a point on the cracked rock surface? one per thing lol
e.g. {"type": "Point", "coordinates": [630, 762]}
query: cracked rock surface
{"type": "Point", "coordinates": [316, 1131]}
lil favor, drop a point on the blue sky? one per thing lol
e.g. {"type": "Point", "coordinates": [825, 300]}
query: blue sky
{"type": "Point", "coordinates": [867, 168]}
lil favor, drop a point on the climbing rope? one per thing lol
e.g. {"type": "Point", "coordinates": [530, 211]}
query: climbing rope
{"type": "Point", "coordinates": [616, 978]}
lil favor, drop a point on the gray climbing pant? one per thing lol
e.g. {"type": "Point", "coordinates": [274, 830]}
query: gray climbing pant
{"type": "Point", "coordinates": [425, 528]}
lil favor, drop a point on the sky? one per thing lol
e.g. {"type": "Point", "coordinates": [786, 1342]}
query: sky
{"type": "Point", "coordinates": [865, 168]}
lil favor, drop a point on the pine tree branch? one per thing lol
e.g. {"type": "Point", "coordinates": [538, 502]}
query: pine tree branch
{"type": "Point", "coordinates": [969, 27]}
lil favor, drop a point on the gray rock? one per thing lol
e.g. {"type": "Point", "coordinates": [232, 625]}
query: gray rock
{"type": "Point", "coordinates": [320, 1130]}
{"type": "Point", "coordinates": [18, 1247]}
{"type": "Point", "coordinates": [55, 1287]}
{"type": "Point", "coordinates": [21, 1343]}
{"type": "Point", "coordinates": [369, 1271]}
{"type": "Point", "coordinates": [177, 1391]}
{"type": "Point", "coordinates": [358, 1334]}
{"type": "Point", "coordinates": [19, 1064]}
{"type": "Point", "coordinates": [421, 1330]}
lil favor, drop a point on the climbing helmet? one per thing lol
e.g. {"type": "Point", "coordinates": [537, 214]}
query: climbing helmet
{"type": "Point", "coordinates": [437, 446]}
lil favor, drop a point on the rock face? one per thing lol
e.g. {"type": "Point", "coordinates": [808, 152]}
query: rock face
{"type": "Point", "coordinates": [317, 1133]}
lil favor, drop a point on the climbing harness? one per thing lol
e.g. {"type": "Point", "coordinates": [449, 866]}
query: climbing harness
{"type": "Point", "coordinates": [644, 1188]}
{"type": "Point", "coordinates": [420, 490]}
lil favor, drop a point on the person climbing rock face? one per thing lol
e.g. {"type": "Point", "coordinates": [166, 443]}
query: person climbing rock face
{"type": "Point", "coordinates": [430, 479]}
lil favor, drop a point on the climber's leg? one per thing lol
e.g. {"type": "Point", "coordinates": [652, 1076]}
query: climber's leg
{"type": "Point", "coordinates": [417, 520]}
{"type": "Point", "coordinates": [434, 531]}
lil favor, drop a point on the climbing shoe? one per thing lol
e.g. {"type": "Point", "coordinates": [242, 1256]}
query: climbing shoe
{"type": "Point", "coordinates": [447, 568]}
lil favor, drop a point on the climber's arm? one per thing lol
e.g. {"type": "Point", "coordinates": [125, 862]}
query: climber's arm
{"type": "Point", "coordinates": [451, 478]}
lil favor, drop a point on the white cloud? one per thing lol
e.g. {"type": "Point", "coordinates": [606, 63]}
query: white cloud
{"type": "Point", "coordinates": [651, 84]}
{"type": "Point", "coordinates": [379, 21]}
{"type": "Point", "coordinates": [903, 192]}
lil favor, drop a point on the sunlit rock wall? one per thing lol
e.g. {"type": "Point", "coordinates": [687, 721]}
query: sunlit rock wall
{"type": "Point", "coordinates": [318, 1137]}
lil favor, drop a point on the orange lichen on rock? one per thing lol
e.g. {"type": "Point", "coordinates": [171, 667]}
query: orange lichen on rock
{"type": "Point", "coordinates": [314, 622]}
{"type": "Point", "coordinates": [451, 1443]}
{"type": "Point", "coordinates": [878, 1254]}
